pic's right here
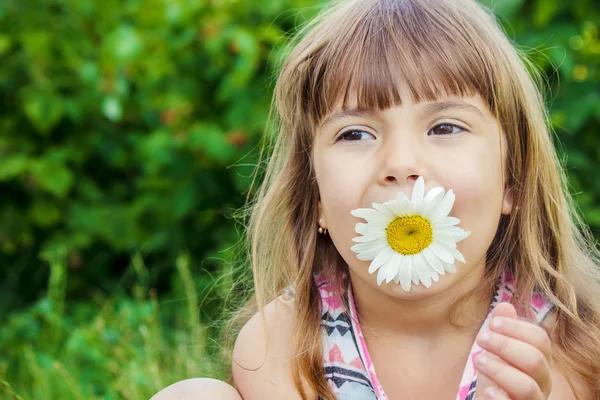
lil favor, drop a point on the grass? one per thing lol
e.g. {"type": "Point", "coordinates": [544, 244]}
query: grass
{"type": "Point", "coordinates": [128, 345]}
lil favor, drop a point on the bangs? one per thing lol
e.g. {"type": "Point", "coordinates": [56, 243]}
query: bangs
{"type": "Point", "coordinates": [429, 51]}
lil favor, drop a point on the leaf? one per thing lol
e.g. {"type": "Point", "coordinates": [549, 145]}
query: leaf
{"type": "Point", "coordinates": [5, 44]}
{"type": "Point", "coordinates": [115, 224]}
{"type": "Point", "coordinates": [211, 141]}
{"type": "Point", "coordinates": [546, 10]}
{"type": "Point", "coordinates": [44, 111]}
{"type": "Point", "coordinates": [14, 166]}
{"type": "Point", "coordinates": [52, 176]}
{"type": "Point", "coordinates": [89, 72]}
{"type": "Point", "coordinates": [124, 44]}
{"type": "Point", "coordinates": [44, 213]}
{"type": "Point", "coordinates": [593, 216]}
{"type": "Point", "coordinates": [111, 108]}
{"type": "Point", "coordinates": [38, 45]}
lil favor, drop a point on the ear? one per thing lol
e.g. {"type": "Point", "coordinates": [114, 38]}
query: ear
{"type": "Point", "coordinates": [322, 222]}
{"type": "Point", "coordinates": [507, 201]}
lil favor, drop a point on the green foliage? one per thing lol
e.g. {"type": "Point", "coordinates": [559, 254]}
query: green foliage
{"type": "Point", "coordinates": [106, 348]}
{"type": "Point", "coordinates": [563, 40]}
{"type": "Point", "coordinates": [128, 136]}
{"type": "Point", "coordinates": [127, 126]}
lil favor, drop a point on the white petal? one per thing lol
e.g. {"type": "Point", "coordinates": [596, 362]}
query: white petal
{"type": "Point", "coordinates": [418, 192]}
{"type": "Point", "coordinates": [457, 254]}
{"type": "Point", "coordinates": [364, 247]}
{"type": "Point", "coordinates": [432, 198]}
{"type": "Point", "coordinates": [453, 231]}
{"type": "Point", "coordinates": [390, 269]}
{"type": "Point", "coordinates": [371, 253]}
{"type": "Point", "coordinates": [444, 207]}
{"type": "Point", "coordinates": [414, 275]}
{"type": "Point", "coordinates": [450, 268]}
{"type": "Point", "coordinates": [380, 278]}
{"type": "Point", "coordinates": [451, 250]}
{"type": "Point", "coordinates": [386, 272]}
{"type": "Point", "coordinates": [369, 229]}
{"type": "Point", "coordinates": [364, 212]}
{"type": "Point", "coordinates": [380, 259]}
{"type": "Point", "coordinates": [372, 215]}
{"type": "Point", "coordinates": [448, 221]}
{"type": "Point", "coordinates": [361, 228]}
{"type": "Point", "coordinates": [384, 209]}
{"type": "Point", "coordinates": [402, 209]}
{"type": "Point", "coordinates": [424, 272]}
{"type": "Point", "coordinates": [374, 252]}
{"type": "Point", "coordinates": [405, 273]}
{"type": "Point", "coordinates": [402, 198]}
{"type": "Point", "coordinates": [368, 238]}
{"type": "Point", "coordinates": [444, 239]}
{"type": "Point", "coordinates": [464, 236]}
{"type": "Point", "coordinates": [397, 277]}
{"type": "Point", "coordinates": [441, 252]}
{"type": "Point", "coordinates": [434, 262]}
{"type": "Point", "coordinates": [434, 193]}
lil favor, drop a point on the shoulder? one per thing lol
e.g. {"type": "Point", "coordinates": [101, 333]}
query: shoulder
{"type": "Point", "coordinates": [263, 352]}
{"type": "Point", "coordinates": [565, 381]}
{"type": "Point", "coordinates": [198, 388]}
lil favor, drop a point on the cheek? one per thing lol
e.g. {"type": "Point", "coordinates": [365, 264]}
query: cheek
{"type": "Point", "coordinates": [479, 192]}
{"type": "Point", "coordinates": [339, 196]}
{"type": "Point", "coordinates": [340, 183]}
{"type": "Point", "coordinates": [341, 186]}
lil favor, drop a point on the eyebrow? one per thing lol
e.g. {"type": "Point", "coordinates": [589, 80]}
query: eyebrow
{"type": "Point", "coordinates": [352, 112]}
{"type": "Point", "coordinates": [431, 108]}
{"type": "Point", "coordinates": [444, 105]}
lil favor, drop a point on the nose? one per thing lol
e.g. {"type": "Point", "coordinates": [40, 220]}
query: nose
{"type": "Point", "coordinates": [401, 162]}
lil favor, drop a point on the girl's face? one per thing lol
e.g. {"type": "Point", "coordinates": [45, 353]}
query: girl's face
{"type": "Point", "coordinates": [364, 158]}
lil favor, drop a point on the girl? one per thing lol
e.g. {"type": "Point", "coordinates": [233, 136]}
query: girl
{"type": "Point", "coordinates": [381, 97]}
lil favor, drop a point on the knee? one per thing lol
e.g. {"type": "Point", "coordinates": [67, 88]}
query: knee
{"type": "Point", "coordinates": [198, 388]}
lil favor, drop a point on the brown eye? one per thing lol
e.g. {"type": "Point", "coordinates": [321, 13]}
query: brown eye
{"type": "Point", "coordinates": [444, 129]}
{"type": "Point", "coordinates": [353, 135]}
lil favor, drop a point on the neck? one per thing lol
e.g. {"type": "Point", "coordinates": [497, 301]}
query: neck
{"type": "Point", "coordinates": [426, 317]}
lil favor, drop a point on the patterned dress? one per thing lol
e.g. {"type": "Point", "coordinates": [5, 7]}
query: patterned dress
{"type": "Point", "coordinates": [348, 367]}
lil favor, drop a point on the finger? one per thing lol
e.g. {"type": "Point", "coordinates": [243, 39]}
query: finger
{"type": "Point", "coordinates": [526, 332]}
{"type": "Point", "coordinates": [494, 394]}
{"type": "Point", "coordinates": [518, 354]}
{"type": "Point", "coordinates": [484, 383]}
{"type": "Point", "coordinates": [517, 384]}
{"type": "Point", "coordinates": [506, 310]}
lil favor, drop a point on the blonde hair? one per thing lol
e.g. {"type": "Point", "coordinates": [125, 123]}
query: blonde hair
{"type": "Point", "coordinates": [435, 48]}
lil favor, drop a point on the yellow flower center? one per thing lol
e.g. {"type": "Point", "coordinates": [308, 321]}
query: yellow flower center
{"type": "Point", "coordinates": [409, 235]}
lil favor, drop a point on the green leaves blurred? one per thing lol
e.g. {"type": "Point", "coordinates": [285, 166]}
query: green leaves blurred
{"type": "Point", "coordinates": [122, 123]}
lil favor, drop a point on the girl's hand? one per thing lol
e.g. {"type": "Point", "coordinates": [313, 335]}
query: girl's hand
{"type": "Point", "coordinates": [517, 359]}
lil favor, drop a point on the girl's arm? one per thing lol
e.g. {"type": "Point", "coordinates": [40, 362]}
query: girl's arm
{"type": "Point", "coordinates": [262, 354]}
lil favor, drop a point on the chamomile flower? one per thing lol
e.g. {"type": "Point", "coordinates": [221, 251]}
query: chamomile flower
{"type": "Point", "coordinates": [410, 241]}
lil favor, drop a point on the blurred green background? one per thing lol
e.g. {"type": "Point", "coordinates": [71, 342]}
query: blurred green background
{"type": "Point", "coordinates": [129, 131]}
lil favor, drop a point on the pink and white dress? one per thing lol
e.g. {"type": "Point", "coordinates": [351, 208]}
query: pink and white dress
{"type": "Point", "coordinates": [347, 363]}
